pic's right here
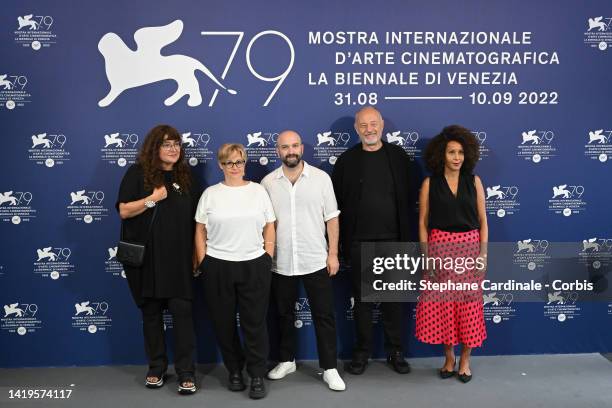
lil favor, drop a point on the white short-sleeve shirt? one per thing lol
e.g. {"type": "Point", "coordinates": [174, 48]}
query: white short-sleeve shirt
{"type": "Point", "coordinates": [301, 212]}
{"type": "Point", "coordinates": [234, 218]}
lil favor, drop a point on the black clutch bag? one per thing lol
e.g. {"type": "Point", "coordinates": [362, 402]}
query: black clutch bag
{"type": "Point", "coordinates": [132, 253]}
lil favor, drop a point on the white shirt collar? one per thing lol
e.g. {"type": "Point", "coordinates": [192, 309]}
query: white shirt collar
{"type": "Point", "coordinates": [305, 171]}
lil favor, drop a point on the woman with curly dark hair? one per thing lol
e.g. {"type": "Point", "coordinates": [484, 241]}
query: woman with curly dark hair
{"type": "Point", "coordinates": [157, 201]}
{"type": "Point", "coordinates": [453, 232]}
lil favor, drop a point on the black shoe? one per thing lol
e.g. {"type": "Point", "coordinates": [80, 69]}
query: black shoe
{"type": "Point", "coordinates": [356, 366]}
{"type": "Point", "coordinates": [464, 378]}
{"type": "Point", "coordinates": [447, 374]}
{"type": "Point", "coordinates": [397, 362]}
{"type": "Point", "coordinates": [258, 388]}
{"type": "Point", "coordinates": [236, 382]}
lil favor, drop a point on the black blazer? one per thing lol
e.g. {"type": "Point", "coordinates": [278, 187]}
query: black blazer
{"type": "Point", "coordinates": [347, 180]}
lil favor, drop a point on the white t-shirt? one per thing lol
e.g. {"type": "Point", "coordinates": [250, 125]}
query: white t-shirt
{"type": "Point", "coordinates": [234, 218]}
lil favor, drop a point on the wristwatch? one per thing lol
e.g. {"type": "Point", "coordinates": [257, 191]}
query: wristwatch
{"type": "Point", "coordinates": [150, 203]}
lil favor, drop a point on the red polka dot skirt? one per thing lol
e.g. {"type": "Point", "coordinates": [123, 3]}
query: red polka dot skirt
{"type": "Point", "coordinates": [452, 317]}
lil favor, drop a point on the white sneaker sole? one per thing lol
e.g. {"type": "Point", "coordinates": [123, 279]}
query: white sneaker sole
{"type": "Point", "coordinates": [334, 389]}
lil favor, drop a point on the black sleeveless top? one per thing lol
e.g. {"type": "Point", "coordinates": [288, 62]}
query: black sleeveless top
{"type": "Point", "coordinates": [450, 213]}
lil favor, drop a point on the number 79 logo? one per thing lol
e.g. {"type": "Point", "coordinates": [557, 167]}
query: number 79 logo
{"type": "Point", "coordinates": [279, 79]}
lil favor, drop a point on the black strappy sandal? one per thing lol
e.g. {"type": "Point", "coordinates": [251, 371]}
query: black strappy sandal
{"type": "Point", "coordinates": [157, 373]}
{"type": "Point", "coordinates": [183, 379]}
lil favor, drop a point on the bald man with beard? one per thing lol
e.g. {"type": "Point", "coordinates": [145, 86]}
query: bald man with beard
{"type": "Point", "coordinates": [305, 207]}
{"type": "Point", "coordinates": [373, 189]}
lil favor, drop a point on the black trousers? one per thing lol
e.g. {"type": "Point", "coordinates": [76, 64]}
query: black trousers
{"type": "Point", "coordinates": [244, 286]}
{"type": "Point", "coordinates": [154, 337]}
{"type": "Point", "coordinates": [320, 294]}
{"type": "Point", "coordinates": [392, 313]}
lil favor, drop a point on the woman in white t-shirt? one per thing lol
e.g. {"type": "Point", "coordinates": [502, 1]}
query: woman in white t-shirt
{"type": "Point", "coordinates": [234, 243]}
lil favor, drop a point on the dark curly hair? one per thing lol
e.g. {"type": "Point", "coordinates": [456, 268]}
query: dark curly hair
{"type": "Point", "coordinates": [435, 152]}
{"type": "Point", "coordinates": [148, 158]}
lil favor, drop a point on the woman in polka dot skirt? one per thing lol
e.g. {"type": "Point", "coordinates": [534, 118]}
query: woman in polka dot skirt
{"type": "Point", "coordinates": [453, 224]}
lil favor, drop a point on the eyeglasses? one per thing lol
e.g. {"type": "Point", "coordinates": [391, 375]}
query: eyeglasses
{"type": "Point", "coordinates": [238, 164]}
{"type": "Point", "coordinates": [170, 146]}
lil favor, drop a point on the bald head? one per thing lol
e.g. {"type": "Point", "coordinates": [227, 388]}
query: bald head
{"type": "Point", "coordinates": [369, 125]}
{"type": "Point", "coordinates": [288, 136]}
{"type": "Point", "coordinates": [289, 148]}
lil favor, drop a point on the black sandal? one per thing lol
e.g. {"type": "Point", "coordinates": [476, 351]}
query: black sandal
{"type": "Point", "coordinates": [156, 373]}
{"type": "Point", "coordinates": [447, 374]}
{"type": "Point", "coordinates": [464, 378]}
{"type": "Point", "coordinates": [184, 379]}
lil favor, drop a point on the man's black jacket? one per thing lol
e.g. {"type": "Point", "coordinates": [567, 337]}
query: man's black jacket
{"type": "Point", "coordinates": [347, 179]}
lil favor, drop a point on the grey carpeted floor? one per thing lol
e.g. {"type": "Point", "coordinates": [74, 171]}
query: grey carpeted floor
{"type": "Point", "coordinates": [577, 380]}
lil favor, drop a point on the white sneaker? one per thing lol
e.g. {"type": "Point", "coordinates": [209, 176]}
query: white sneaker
{"type": "Point", "coordinates": [333, 380]}
{"type": "Point", "coordinates": [281, 370]}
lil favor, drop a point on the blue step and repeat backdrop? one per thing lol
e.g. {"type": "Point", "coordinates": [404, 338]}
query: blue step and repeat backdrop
{"type": "Point", "coordinates": [82, 82]}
